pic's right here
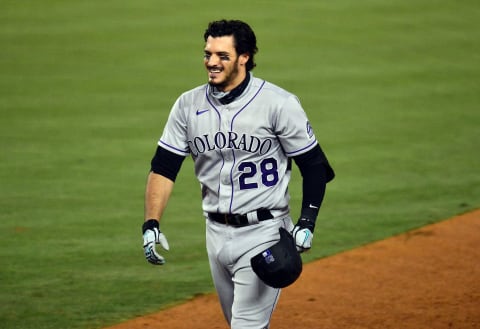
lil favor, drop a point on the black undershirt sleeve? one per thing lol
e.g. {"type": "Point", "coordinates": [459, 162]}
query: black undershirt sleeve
{"type": "Point", "coordinates": [316, 173]}
{"type": "Point", "coordinates": [166, 163]}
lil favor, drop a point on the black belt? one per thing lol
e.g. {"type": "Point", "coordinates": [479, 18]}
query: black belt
{"type": "Point", "coordinates": [238, 220]}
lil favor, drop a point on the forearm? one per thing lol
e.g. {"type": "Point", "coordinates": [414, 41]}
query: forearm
{"type": "Point", "coordinates": [313, 191]}
{"type": "Point", "coordinates": [316, 172]}
{"type": "Point", "coordinates": [158, 191]}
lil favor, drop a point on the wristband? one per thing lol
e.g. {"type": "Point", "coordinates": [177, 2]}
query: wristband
{"type": "Point", "coordinates": [306, 223]}
{"type": "Point", "coordinates": [150, 225]}
{"type": "Point", "coordinates": [309, 213]}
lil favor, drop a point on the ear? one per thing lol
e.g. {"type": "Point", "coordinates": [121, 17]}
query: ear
{"type": "Point", "coordinates": [243, 59]}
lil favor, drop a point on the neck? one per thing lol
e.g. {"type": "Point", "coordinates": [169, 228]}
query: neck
{"type": "Point", "coordinates": [238, 81]}
{"type": "Point", "coordinates": [227, 97]}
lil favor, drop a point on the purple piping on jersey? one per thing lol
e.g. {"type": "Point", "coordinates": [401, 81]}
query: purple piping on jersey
{"type": "Point", "coordinates": [306, 147]}
{"type": "Point", "coordinates": [231, 182]}
{"type": "Point", "coordinates": [219, 126]}
{"type": "Point", "coordinates": [216, 110]}
{"type": "Point", "coordinates": [173, 147]}
{"type": "Point", "coordinates": [233, 152]}
{"type": "Point", "coordinates": [231, 129]}
{"type": "Point", "coordinates": [248, 103]}
{"type": "Point", "coordinates": [274, 304]}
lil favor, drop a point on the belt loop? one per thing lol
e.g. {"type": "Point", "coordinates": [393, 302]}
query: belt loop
{"type": "Point", "coordinates": [225, 216]}
{"type": "Point", "coordinates": [252, 217]}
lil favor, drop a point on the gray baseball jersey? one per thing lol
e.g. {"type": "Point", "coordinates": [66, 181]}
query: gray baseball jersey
{"type": "Point", "coordinates": [241, 149]}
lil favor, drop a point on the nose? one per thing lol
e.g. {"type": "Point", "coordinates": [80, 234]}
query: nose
{"type": "Point", "coordinates": [212, 60]}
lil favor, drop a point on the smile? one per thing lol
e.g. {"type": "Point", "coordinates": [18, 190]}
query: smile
{"type": "Point", "coordinates": [214, 70]}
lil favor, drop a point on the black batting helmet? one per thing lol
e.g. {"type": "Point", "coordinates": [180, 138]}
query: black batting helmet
{"type": "Point", "coordinates": [279, 265]}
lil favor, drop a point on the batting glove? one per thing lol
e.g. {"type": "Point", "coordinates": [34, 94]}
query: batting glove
{"type": "Point", "coordinates": [303, 234]}
{"type": "Point", "coordinates": [152, 236]}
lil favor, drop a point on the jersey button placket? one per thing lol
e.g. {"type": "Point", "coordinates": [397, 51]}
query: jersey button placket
{"type": "Point", "coordinates": [225, 180]}
{"type": "Point", "coordinates": [224, 190]}
{"type": "Point", "coordinates": [225, 183]}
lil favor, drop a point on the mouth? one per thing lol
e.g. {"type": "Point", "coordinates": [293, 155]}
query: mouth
{"type": "Point", "coordinates": [213, 70]}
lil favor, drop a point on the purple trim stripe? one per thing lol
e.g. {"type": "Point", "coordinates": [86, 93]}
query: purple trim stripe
{"type": "Point", "coordinates": [233, 152]}
{"type": "Point", "coordinates": [219, 126]}
{"type": "Point", "coordinates": [231, 129]}
{"type": "Point", "coordinates": [248, 103]}
{"type": "Point", "coordinates": [173, 147]}
{"type": "Point", "coordinates": [274, 304]}
{"type": "Point", "coordinates": [300, 150]}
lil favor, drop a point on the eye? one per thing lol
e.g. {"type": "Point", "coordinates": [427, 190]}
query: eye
{"type": "Point", "coordinates": [207, 56]}
{"type": "Point", "coordinates": [225, 57]}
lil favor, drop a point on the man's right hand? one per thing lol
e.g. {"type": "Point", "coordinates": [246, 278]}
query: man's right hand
{"type": "Point", "coordinates": [152, 236]}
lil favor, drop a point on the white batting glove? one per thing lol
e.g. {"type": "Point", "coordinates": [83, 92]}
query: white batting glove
{"type": "Point", "coordinates": [151, 237]}
{"type": "Point", "coordinates": [303, 235]}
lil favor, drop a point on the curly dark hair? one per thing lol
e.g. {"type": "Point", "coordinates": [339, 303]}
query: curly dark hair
{"type": "Point", "coordinates": [243, 35]}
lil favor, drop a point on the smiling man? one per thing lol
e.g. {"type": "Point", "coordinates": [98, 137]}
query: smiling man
{"type": "Point", "coordinates": [222, 63]}
{"type": "Point", "coordinates": [242, 133]}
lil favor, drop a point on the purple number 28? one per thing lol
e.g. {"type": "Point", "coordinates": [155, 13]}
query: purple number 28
{"type": "Point", "coordinates": [268, 170]}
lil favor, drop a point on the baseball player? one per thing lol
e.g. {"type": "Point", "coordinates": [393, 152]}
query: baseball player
{"type": "Point", "coordinates": [242, 133]}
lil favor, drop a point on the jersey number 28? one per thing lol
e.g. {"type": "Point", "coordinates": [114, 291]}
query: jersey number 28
{"type": "Point", "coordinates": [268, 171]}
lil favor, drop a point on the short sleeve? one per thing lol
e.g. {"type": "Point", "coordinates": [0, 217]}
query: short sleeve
{"type": "Point", "coordinates": [293, 128]}
{"type": "Point", "coordinates": [174, 137]}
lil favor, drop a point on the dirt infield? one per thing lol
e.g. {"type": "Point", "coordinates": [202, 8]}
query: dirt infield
{"type": "Point", "coordinates": [426, 278]}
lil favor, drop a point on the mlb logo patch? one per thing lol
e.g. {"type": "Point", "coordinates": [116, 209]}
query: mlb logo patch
{"type": "Point", "coordinates": [309, 130]}
{"type": "Point", "coordinates": [268, 257]}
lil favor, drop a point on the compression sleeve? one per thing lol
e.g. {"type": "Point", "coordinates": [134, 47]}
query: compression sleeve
{"type": "Point", "coordinates": [166, 163]}
{"type": "Point", "coordinates": [316, 173]}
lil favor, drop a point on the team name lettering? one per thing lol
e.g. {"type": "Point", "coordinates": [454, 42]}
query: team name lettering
{"type": "Point", "coordinates": [230, 140]}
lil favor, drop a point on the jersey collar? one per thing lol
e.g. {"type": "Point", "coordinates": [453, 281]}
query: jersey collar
{"type": "Point", "coordinates": [228, 97]}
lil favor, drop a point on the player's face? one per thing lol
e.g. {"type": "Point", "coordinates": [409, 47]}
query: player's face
{"type": "Point", "coordinates": [225, 68]}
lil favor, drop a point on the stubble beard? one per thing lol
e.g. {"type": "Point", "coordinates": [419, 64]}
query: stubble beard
{"type": "Point", "coordinates": [228, 78]}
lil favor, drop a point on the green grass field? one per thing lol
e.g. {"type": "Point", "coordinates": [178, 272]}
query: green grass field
{"type": "Point", "coordinates": [391, 87]}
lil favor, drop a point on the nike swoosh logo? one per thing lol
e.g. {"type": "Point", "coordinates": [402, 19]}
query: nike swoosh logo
{"type": "Point", "coordinates": [312, 206]}
{"type": "Point", "coordinates": [202, 111]}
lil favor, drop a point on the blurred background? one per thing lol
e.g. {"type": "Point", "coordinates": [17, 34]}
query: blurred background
{"type": "Point", "coordinates": [392, 89]}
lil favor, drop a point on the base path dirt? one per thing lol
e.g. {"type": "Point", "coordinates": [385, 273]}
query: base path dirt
{"type": "Point", "coordinates": [426, 278]}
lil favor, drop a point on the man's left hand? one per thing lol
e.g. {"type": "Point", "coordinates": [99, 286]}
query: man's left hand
{"type": "Point", "coordinates": [303, 234]}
